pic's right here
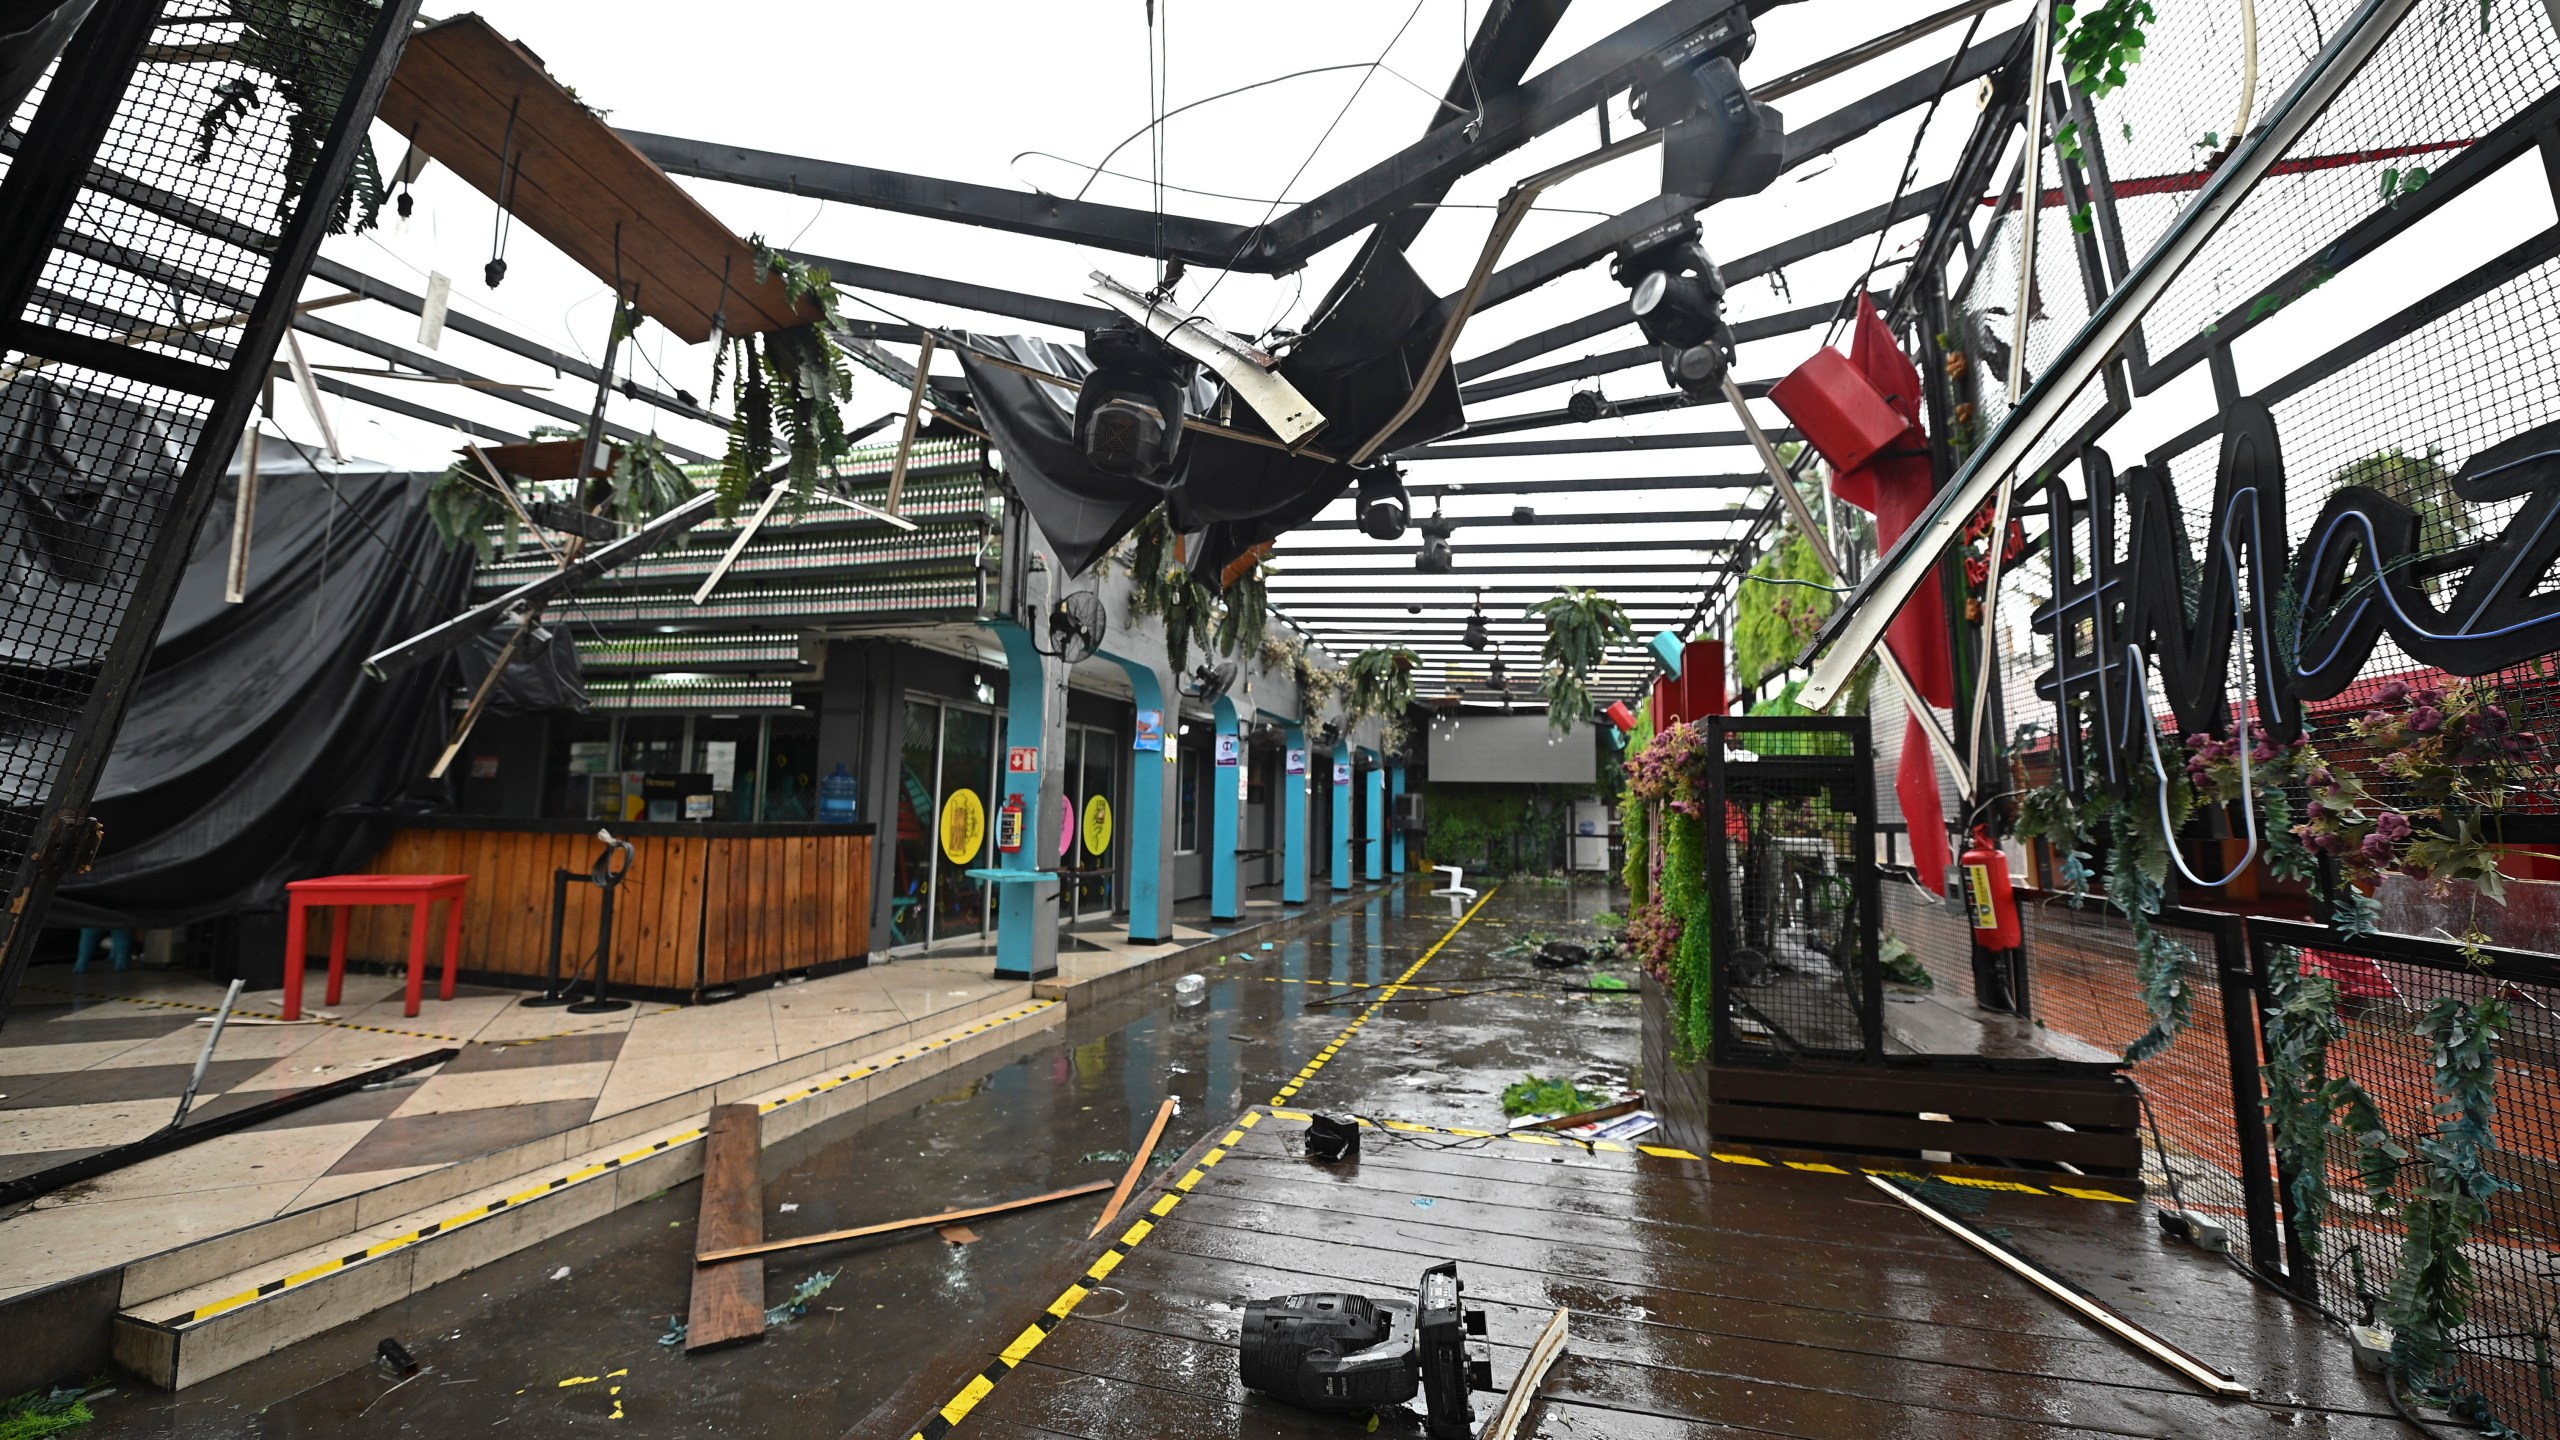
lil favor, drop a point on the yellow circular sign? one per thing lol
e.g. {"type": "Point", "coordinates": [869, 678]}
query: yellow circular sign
{"type": "Point", "coordinates": [1097, 826]}
{"type": "Point", "coordinates": [964, 826]}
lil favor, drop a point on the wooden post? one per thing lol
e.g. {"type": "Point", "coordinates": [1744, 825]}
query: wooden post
{"type": "Point", "coordinates": [244, 509]}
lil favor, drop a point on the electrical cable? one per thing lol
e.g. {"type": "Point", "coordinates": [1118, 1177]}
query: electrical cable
{"type": "Point", "coordinates": [1910, 168]}
{"type": "Point", "coordinates": [1255, 234]}
{"type": "Point", "coordinates": [1266, 200]}
{"type": "Point", "coordinates": [1134, 136]}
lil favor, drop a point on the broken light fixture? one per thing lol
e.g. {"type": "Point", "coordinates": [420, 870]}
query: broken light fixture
{"type": "Point", "coordinates": [1350, 1352]}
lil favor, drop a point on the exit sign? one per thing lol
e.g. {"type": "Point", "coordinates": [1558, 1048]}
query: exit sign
{"type": "Point", "coordinates": [1022, 760]}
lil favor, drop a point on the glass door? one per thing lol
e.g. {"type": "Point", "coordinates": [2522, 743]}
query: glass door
{"type": "Point", "coordinates": [964, 831]}
{"type": "Point", "coordinates": [1095, 849]}
{"type": "Point", "coordinates": [919, 780]}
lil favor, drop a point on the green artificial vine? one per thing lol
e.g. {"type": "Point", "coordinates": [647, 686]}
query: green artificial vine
{"type": "Point", "coordinates": [2099, 43]}
{"type": "Point", "coordinates": [2435, 1288]}
{"type": "Point", "coordinates": [1190, 611]}
{"type": "Point", "coordinates": [2310, 1109]}
{"type": "Point", "coordinates": [788, 390]}
{"type": "Point", "coordinates": [1581, 626]}
{"type": "Point", "coordinates": [303, 48]}
{"type": "Point", "coordinates": [1691, 978]}
{"type": "Point", "coordinates": [1775, 617]}
{"type": "Point", "coordinates": [1247, 615]}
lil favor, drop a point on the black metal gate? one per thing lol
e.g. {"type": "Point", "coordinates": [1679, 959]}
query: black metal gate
{"type": "Point", "coordinates": [168, 187]}
{"type": "Point", "coordinates": [1791, 885]}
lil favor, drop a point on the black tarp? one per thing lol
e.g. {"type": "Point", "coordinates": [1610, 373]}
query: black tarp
{"type": "Point", "coordinates": [1357, 364]}
{"type": "Point", "coordinates": [254, 747]}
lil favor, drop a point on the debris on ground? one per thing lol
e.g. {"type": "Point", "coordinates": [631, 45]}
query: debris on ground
{"type": "Point", "coordinates": [801, 1295]}
{"type": "Point", "coordinates": [1536, 1095]}
{"type": "Point", "coordinates": [1902, 967]}
{"type": "Point", "coordinates": [1560, 955]}
{"type": "Point", "coordinates": [395, 1359]}
{"type": "Point", "coordinates": [37, 1414]}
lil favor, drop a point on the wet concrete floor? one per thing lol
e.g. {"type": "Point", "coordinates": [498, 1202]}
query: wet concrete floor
{"type": "Point", "coordinates": [565, 1336]}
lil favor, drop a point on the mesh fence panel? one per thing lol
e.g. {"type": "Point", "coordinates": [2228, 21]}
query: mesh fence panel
{"type": "Point", "coordinates": [1795, 964]}
{"type": "Point", "coordinates": [115, 367]}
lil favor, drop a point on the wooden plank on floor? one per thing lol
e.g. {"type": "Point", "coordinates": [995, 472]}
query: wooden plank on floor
{"type": "Point", "coordinates": [728, 1297]}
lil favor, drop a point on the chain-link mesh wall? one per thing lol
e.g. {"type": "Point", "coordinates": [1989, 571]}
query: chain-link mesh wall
{"type": "Point", "coordinates": [1791, 880]}
{"type": "Point", "coordinates": [165, 190]}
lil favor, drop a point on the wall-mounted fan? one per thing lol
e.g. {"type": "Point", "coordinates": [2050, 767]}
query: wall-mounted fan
{"type": "Point", "coordinates": [1210, 680]}
{"type": "Point", "coordinates": [1076, 627]}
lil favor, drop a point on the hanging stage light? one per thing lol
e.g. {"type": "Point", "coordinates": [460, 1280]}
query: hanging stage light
{"type": "Point", "coordinates": [1383, 505]}
{"type": "Point", "coordinates": [1478, 635]}
{"type": "Point", "coordinates": [1130, 411]}
{"type": "Point", "coordinates": [1436, 558]}
{"type": "Point", "coordinates": [1718, 142]}
{"type": "Point", "coordinates": [1677, 297]}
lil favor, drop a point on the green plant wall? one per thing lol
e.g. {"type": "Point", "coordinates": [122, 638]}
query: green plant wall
{"type": "Point", "coordinates": [1498, 829]}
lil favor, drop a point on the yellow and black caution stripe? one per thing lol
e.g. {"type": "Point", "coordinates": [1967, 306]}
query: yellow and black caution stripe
{"type": "Point", "coordinates": [939, 1423]}
{"type": "Point", "coordinates": [585, 1173]}
{"type": "Point", "coordinates": [1334, 1046]}
{"type": "Point", "coordinates": [1747, 1156]}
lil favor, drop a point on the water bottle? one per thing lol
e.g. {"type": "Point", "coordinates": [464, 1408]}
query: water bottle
{"type": "Point", "coordinates": [837, 797]}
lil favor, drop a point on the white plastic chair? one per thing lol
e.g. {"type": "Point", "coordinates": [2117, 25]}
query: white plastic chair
{"type": "Point", "coordinates": [1456, 890]}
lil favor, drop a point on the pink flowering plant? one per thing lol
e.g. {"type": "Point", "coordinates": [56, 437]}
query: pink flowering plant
{"type": "Point", "coordinates": [2456, 757]}
{"type": "Point", "coordinates": [1667, 770]}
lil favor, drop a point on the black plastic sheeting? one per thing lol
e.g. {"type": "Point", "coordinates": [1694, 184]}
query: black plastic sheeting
{"type": "Point", "coordinates": [254, 750]}
{"type": "Point", "coordinates": [1357, 364]}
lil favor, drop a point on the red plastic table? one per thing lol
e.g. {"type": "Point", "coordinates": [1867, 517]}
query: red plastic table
{"type": "Point", "coordinates": [341, 893]}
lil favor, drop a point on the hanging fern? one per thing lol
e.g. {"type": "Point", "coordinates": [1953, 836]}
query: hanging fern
{"type": "Point", "coordinates": [1581, 626]}
{"type": "Point", "coordinates": [1247, 617]}
{"type": "Point", "coordinates": [1152, 538]}
{"type": "Point", "coordinates": [2435, 1288]}
{"type": "Point", "coordinates": [644, 483]}
{"type": "Point", "coordinates": [2309, 1109]}
{"type": "Point", "coordinates": [464, 505]}
{"type": "Point", "coordinates": [301, 47]}
{"type": "Point", "coordinates": [1382, 682]}
{"type": "Point", "coordinates": [1190, 612]}
{"type": "Point", "coordinates": [789, 389]}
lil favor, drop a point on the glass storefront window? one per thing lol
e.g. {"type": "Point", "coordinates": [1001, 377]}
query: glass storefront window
{"type": "Point", "coordinates": [966, 823]}
{"type": "Point", "coordinates": [911, 897]}
{"type": "Point", "coordinates": [791, 767]}
{"type": "Point", "coordinates": [727, 748]}
{"type": "Point", "coordinates": [1187, 810]}
{"type": "Point", "coordinates": [577, 763]}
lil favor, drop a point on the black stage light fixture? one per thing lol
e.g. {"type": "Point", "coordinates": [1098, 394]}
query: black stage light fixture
{"type": "Point", "coordinates": [1435, 557]}
{"type": "Point", "coordinates": [1677, 297]}
{"type": "Point", "coordinates": [1383, 505]}
{"type": "Point", "coordinates": [1334, 1351]}
{"type": "Point", "coordinates": [1333, 1137]}
{"type": "Point", "coordinates": [1129, 414]}
{"type": "Point", "coordinates": [1479, 634]}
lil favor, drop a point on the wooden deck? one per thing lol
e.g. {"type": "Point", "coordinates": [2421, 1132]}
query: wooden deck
{"type": "Point", "coordinates": [1709, 1297]}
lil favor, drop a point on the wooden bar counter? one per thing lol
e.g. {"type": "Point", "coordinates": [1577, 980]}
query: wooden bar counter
{"type": "Point", "coordinates": [705, 904]}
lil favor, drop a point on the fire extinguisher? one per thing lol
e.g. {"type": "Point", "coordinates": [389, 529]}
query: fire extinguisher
{"type": "Point", "coordinates": [1009, 825]}
{"type": "Point", "coordinates": [1995, 905]}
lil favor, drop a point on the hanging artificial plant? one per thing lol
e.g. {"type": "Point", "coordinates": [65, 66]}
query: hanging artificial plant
{"type": "Point", "coordinates": [2435, 1288]}
{"type": "Point", "coordinates": [1382, 682]}
{"type": "Point", "coordinates": [1668, 928]}
{"type": "Point", "coordinates": [787, 388]}
{"type": "Point", "coordinates": [1581, 626]}
{"type": "Point", "coordinates": [301, 47]}
{"type": "Point", "coordinates": [2309, 1108]}
{"type": "Point", "coordinates": [1781, 603]}
{"type": "Point", "coordinates": [1247, 614]}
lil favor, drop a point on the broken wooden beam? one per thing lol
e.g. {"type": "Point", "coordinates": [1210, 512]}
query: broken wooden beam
{"type": "Point", "coordinates": [1137, 1167]}
{"type": "Point", "coordinates": [728, 1296]}
{"type": "Point", "coordinates": [921, 1222]}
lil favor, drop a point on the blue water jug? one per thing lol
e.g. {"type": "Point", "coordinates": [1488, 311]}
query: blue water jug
{"type": "Point", "coordinates": [838, 797]}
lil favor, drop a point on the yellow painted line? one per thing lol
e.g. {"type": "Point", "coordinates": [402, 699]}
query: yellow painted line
{"type": "Point", "coordinates": [1730, 1159]}
{"type": "Point", "coordinates": [1385, 994]}
{"type": "Point", "coordinates": [238, 1013]}
{"type": "Point", "coordinates": [585, 1173]}
{"type": "Point", "coordinates": [2076, 1193]}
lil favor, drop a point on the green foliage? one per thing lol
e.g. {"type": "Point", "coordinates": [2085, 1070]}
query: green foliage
{"type": "Point", "coordinates": [1190, 616]}
{"type": "Point", "coordinates": [2308, 1108]}
{"type": "Point", "coordinates": [645, 484]}
{"type": "Point", "coordinates": [2100, 42]}
{"type": "Point", "coordinates": [1782, 602]}
{"type": "Point", "coordinates": [1246, 615]}
{"type": "Point", "coordinates": [40, 1413]}
{"type": "Point", "coordinates": [1633, 874]}
{"type": "Point", "coordinates": [788, 391]}
{"type": "Point", "coordinates": [2421, 482]}
{"type": "Point", "coordinates": [1535, 1095]}
{"type": "Point", "coordinates": [1581, 626]}
{"type": "Point", "coordinates": [302, 47]}
{"type": "Point", "coordinates": [464, 505]}
{"type": "Point", "coordinates": [1152, 538]}
{"type": "Point", "coordinates": [1691, 981]}
{"type": "Point", "coordinates": [1382, 682]}
{"type": "Point", "coordinates": [2435, 1288]}
{"type": "Point", "coordinates": [1901, 966]}
{"type": "Point", "coordinates": [1498, 829]}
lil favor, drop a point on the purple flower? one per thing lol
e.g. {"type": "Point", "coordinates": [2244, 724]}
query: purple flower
{"type": "Point", "coordinates": [2321, 779]}
{"type": "Point", "coordinates": [2492, 720]}
{"type": "Point", "coordinates": [2262, 753]}
{"type": "Point", "coordinates": [2428, 695]}
{"type": "Point", "coordinates": [2391, 825]}
{"type": "Point", "coordinates": [2317, 812]}
{"type": "Point", "coordinates": [2523, 743]}
{"type": "Point", "coordinates": [2426, 720]}
{"type": "Point", "coordinates": [2376, 849]}
{"type": "Point", "coordinates": [2198, 741]}
{"type": "Point", "coordinates": [2392, 692]}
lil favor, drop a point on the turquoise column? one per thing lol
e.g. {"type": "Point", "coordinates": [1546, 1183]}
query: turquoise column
{"type": "Point", "coordinates": [1395, 840]}
{"type": "Point", "coordinates": [1293, 817]}
{"type": "Point", "coordinates": [1377, 847]}
{"type": "Point", "coordinates": [1226, 814]}
{"type": "Point", "coordinates": [1341, 816]}
{"type": "Point", "coordinates": [1027, 909]}
{"type": "Point", "coordinates": [1152, 798]}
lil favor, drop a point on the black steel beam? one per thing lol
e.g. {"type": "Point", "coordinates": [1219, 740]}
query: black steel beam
{"type": "Point", "coordinates": [1587, 445]}
{"type": "Point", "coordinates": [1562, 553]}
{"type": "Point", "coordinates": [481, 330]}
{"type": "Point", "coordinates": [1510, 118]}
{"type": "Point", "coordinates": [1038, 309]}
{"type": "Point", "coordinates": [1750, 480]}
{"type": "Point", "coordinates": [357, 340]}
{"type": "Point", "coordinates": [1550, 521]}
{"type": "Point", "coordinates": [397, 406]}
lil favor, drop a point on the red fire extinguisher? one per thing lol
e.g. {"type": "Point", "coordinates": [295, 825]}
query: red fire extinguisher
{"type": "Point", "coordinates": [1009, 824]}
{"type": "Point", "coordinates": [1995, 905]}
